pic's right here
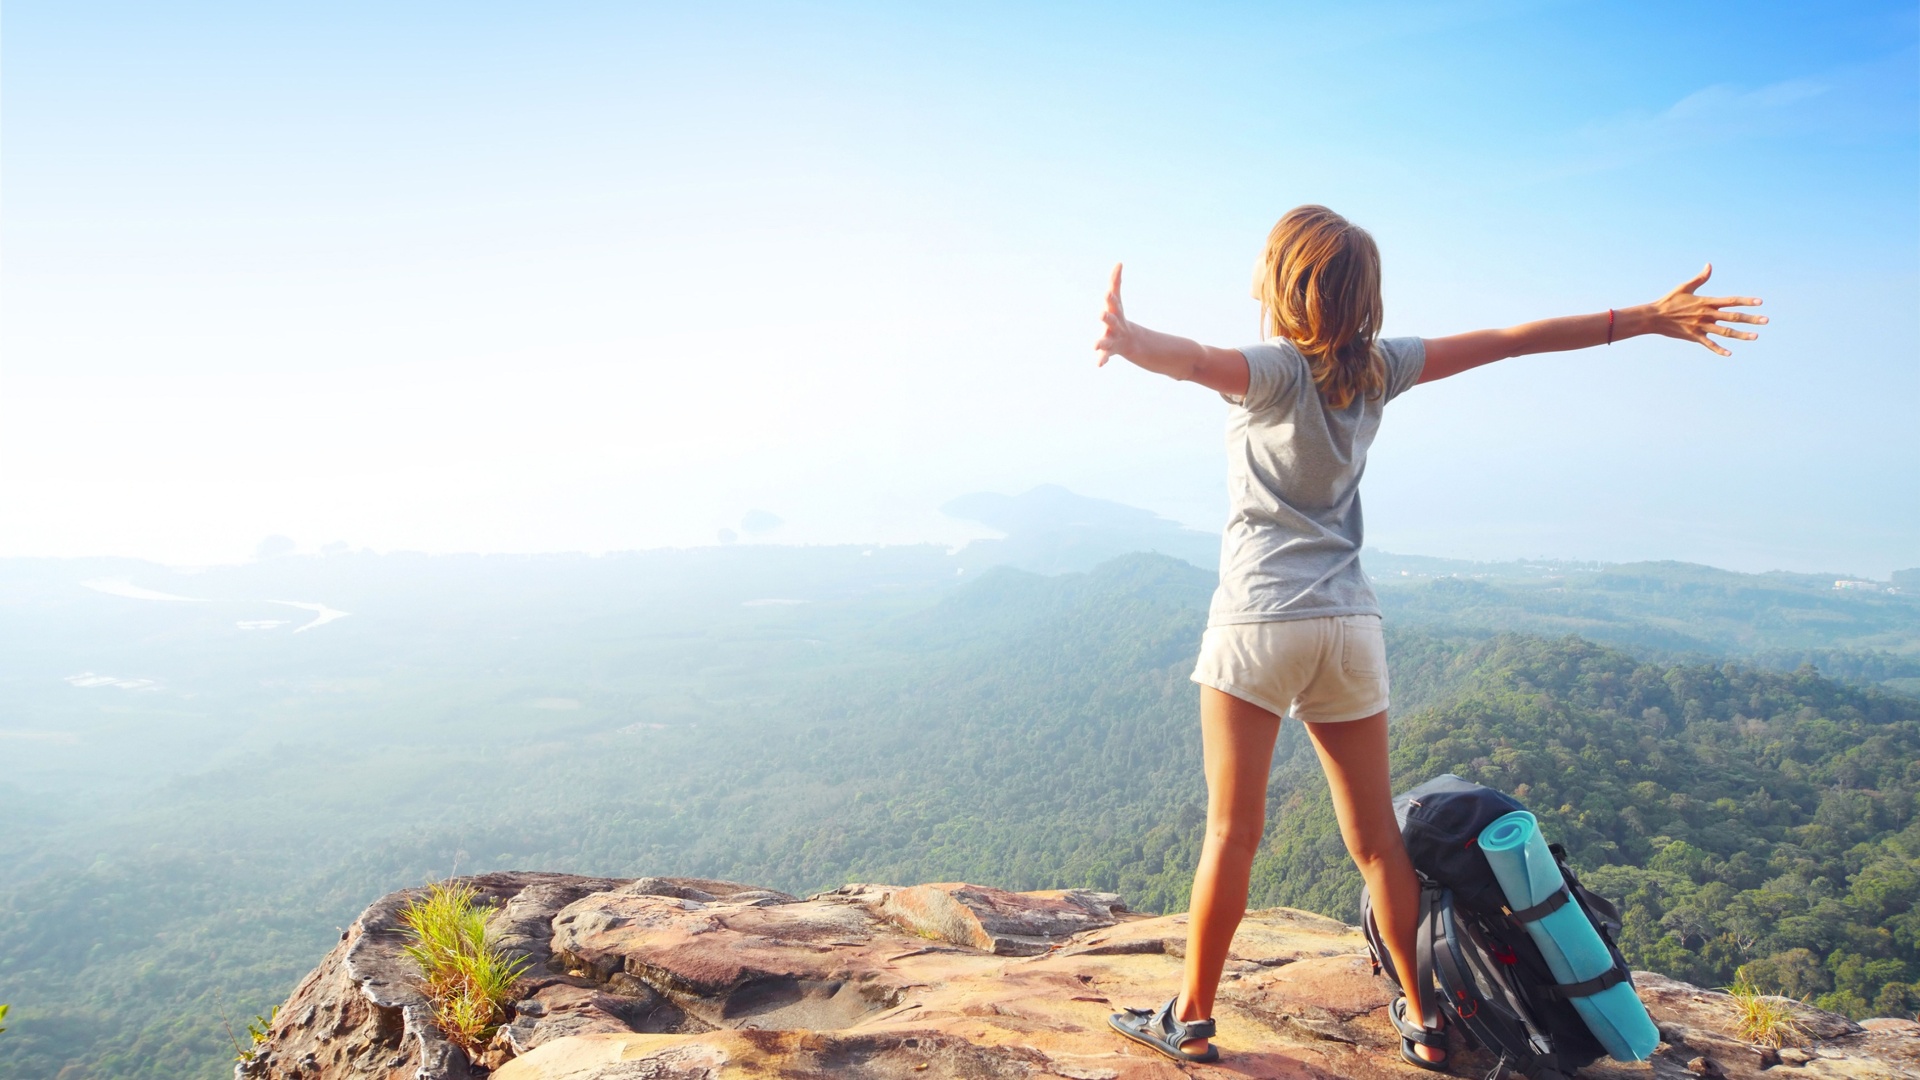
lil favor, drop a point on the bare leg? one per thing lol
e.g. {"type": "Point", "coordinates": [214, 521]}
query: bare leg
{"type": "Point", "coordinates": [1238, 740]}
{"type": "Point", "coordinates": [1354, 757]}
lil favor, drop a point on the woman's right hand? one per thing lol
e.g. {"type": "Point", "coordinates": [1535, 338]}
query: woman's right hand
{"type": "Point", "coordinates": [1116, 333]}
{"type": "Point", "coordinates": [1223, 370]}
{"type": "Point", "coordinates": [1681, 314]}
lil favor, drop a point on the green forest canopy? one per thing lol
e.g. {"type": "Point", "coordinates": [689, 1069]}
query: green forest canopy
{"type": "Point", "coordinates": [1749, 822]}
{"type": "Point", "coordinates": [1021, 731]}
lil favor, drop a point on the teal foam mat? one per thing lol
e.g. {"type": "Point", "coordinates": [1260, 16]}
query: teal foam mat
{"type": "Point", "coordinates": [1573, 949]}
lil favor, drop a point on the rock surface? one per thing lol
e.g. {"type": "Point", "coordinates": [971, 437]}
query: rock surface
{"type": "Point", "coordinates": [689, 979]}
{"type": "Point", "coordinates": [361, 1013]}
{"type": "Point", "coordinates": [997, 921]}
{"type": "Point", "coordinates": [1701, 1023]}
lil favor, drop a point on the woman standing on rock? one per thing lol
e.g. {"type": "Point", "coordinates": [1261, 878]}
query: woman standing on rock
{"type": "Point", "coordinates": [1294, 626]}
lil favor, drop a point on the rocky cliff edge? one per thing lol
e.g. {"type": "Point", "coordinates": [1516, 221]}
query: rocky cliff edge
{"type": "Point", "coordinates": [689, 979]}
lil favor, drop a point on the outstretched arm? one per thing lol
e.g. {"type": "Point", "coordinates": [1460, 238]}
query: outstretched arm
{"type": "Point", "coordinates": [1224, 370]}
{"type": "Point", "coordinates": [1679, 314]}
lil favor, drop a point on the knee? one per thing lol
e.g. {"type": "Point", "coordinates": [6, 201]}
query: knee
{"type": "Point", "coordinates": [1377, 852]}
{"type": "Point", "coordinates": [1235, 838]}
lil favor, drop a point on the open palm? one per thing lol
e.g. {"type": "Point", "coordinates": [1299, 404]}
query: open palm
{"type": "Point", "coordinates": [1683, 314]}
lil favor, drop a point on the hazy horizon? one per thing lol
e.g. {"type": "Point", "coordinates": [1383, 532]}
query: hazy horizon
{"type": "Point", "coordinates": [760, 529]}
{"type": "Point", "coordinates": [600, 277]}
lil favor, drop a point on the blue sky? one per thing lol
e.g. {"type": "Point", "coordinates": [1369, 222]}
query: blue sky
{"type": "Point", "coordinates": [603, 276]}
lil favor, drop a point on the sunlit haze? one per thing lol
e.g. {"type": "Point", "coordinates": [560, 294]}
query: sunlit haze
{"type": "Point", "coordinates": [556, 277]}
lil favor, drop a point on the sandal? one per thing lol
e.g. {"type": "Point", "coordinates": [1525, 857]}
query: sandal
{"type": "Point", "coordinates": [1411, 1032]}
{"type": "Point", "coordinates": [1157, 1028]}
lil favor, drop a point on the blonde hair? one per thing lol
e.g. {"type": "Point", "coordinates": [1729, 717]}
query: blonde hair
{"type": "Point", "coordinates": [1319, 287]}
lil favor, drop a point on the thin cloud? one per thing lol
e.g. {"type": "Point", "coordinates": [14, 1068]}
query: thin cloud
{"type": "Point", "coordinates": [1712, 115]}
{"type": "Point", "coordinates": [1724, 110]}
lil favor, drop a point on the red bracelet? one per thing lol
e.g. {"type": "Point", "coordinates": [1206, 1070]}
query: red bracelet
{"type": "Point", "coordinates": [1609, 326]}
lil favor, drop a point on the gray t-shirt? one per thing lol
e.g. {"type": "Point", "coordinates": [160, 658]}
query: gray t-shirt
{"type": "Point", "coordinates": [1292, 544]}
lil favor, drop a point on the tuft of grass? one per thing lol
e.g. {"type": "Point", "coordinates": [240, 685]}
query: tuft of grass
{"type": "Point", "coordinates": [1763, 1019]}
{"type": "Point", "coordinates": [468, 978]}
{"type": "Point", "coordinates": [258, 1029]}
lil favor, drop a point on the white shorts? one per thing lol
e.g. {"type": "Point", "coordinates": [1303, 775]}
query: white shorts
{"type": "Point", "coordinates": [1325, 670]}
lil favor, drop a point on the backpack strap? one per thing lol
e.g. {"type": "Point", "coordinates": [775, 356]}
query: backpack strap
{"type": "Point", "coordinates": [1544, 908]}
{"type": "Point", "coordinates": [1601, 909]}
{"type": "Point", "coordinates": [1607, 979]}
{"type": "Point", "coordinates": [1423, 959]}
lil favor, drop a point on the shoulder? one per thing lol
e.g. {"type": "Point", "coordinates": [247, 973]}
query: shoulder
{"type": "Point", "coordinates": [1402, 348]}
{"type": "Point", "coordinates": [1275, 370]}
{"type": "Point", "coordinates": [1405, 358]}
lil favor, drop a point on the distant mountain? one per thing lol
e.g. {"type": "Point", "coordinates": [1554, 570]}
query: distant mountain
{"type": "Point", "coordinates": [1051, 530]}
{"type": "Point", "coordinates": [1669, 610]}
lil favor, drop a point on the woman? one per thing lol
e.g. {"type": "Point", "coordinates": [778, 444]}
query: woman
{"type": "Point", "coordinates": [1294, 626]}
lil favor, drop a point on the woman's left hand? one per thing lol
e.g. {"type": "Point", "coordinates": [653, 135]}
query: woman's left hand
{"type": "Point", "coordinates": [1681, 314]}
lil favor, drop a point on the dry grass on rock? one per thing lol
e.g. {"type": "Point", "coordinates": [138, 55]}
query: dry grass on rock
{"type": "Point", "coordinates": [468, 978]}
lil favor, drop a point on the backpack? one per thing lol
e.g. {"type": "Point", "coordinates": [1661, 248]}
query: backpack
{"type": "Point", "coordinates": [1493, 983]}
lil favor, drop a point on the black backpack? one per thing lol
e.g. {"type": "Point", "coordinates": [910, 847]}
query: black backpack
{"type": "Point", "coordinates": [1493, 983]}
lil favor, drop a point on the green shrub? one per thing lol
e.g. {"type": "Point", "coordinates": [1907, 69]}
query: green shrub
{"type": "Point", "coordinates": [468, 978]}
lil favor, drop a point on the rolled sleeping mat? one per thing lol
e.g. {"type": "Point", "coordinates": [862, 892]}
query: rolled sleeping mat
{"type": "Point", "coordinates": [1573, 949]}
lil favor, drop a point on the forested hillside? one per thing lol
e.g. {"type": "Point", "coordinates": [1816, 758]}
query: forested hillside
{"type": "Point", "coordinates": [1747, 819]}
{"type": "Point", "coordinates": [1019, 730]}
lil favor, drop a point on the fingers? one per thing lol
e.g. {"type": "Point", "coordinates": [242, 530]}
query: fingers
{"type": "Point", "coordinates": [1727, 331]}
{"type": "Point", "coordinates": [1109, 344]}
{"type": "Point", "coordinates": [1113, 321]}
{"type": "Point", "coordinates": [1702, 339]}
{"type": "Point", "coordinates": [1741, 316]}
{"type": "Point", "coordinates": [1731, 301]}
